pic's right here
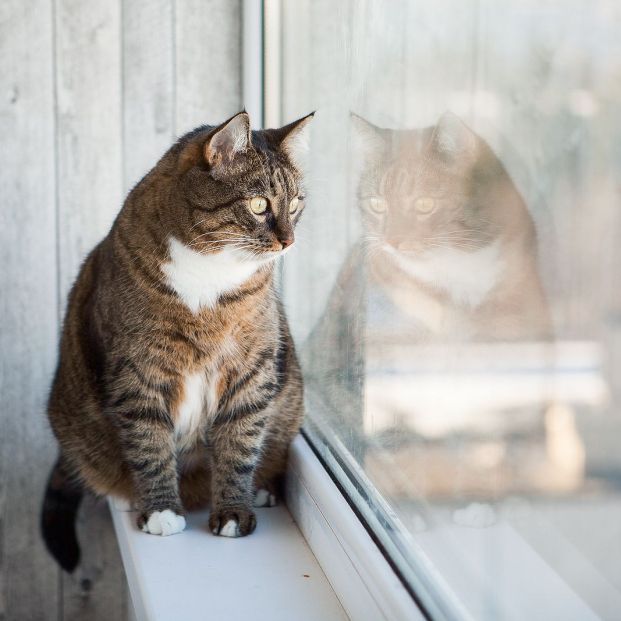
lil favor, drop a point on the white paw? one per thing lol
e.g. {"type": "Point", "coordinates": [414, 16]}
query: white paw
{"type": "Point", "coordinates": [164, 523]}
{"type": "Point", "coordinates": [230, 529]}
{"type": "Point", "coordinates": [263, 498]}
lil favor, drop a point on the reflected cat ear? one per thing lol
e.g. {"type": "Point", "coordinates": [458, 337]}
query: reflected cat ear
{"type": "Point", "coordinates": [231, 138]}
{"type": "Point", "coordinates": [452, 137]}
{"type": "Point", "coordinates": [368, 141]}
{"type": "Point", "coordinates": [294, 140]}
{"type": "Point", "coordinates": [366, 130]}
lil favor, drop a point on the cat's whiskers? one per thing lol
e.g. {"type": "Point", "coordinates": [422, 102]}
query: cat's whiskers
{"type": "Point", "coordinates": [235, 245]}
{"type": "Point", "coordinates": [457, 236]}
{"type": "Point", "coordinates": [230, 234]}
{"type": "Point", "coordinates": [225, 240]}
{"type": "Point", "coordinates": [221, 243]}
{"type": "Point", "coordinates": [450, 240]}
{"type": "Point", "coordinates": [198, 223]}
{"type": "Point", "coordinates": [372, 247]}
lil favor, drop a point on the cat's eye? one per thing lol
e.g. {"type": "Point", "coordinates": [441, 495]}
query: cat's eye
{"type": "Point", "coordinates": [258, 205]}
{"type": "Point", "coordinates": [377, 205]}
{"type": "Point", "coordinates": [294, 204]}
{"type": "Point", "coordinates": [425, 205]}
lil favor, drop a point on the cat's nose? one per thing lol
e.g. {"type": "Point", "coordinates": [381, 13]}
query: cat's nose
{"type": "Point", "coordinates": [286, 242]}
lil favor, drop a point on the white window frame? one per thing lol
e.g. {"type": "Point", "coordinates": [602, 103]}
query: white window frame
{"type": "Point", "coordinates": [362, 578]}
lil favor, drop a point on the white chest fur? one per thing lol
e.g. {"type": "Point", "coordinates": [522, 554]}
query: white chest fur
{"type": "Point", "coordinates": [199, 401]}
{"type": "Point", "coordinates": [199, 279]}
{"type": "Point", "coordinates": [468, 277]}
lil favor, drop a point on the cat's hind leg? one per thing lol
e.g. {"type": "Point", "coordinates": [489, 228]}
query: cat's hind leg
{"type": "Point", "coordinates": [269, 479]}
{"type": "Point", "coordinates": [264, 498]}
{"type": "Point", "coordinates": [270, 475]}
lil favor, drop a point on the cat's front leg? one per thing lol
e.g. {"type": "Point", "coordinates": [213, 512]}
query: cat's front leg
{"type": "Point", "coordinates": [236, 443]}
{"type": "Point", "coordinates": [146, 435]}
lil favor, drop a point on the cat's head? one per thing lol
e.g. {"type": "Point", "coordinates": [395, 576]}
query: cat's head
{"type": "Point", "coordinates": [241, 189]}
{"type": "Point", "coordinates": [430, 188]}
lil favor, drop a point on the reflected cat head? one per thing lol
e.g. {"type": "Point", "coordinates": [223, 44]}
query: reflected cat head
{"type": "Point", "coordinates": [435, 187]}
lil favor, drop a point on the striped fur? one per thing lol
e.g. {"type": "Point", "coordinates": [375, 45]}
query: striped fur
{"type": "Point", "coordinates": [178, 383]}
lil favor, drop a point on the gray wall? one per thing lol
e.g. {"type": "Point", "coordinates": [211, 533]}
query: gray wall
{"type": "Point", "coordinates": [91, 94]}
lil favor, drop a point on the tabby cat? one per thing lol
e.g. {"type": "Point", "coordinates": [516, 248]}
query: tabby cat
{"type": "Point", "coordinates": [178, 383]}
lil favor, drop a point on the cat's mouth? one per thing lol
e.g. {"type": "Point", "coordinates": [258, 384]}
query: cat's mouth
{"type": "Point", "coordinates": [274, 254]}
{"type": "Point", "coordinates": [263, 256]}
{"type": "Point", "coordinates": [408, 249]}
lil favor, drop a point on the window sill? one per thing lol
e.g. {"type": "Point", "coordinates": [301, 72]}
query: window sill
{"type": "Point", "coordinates": [269, 575]}
{"type": "Point", "coordinates": [365, 583]}
{"type": "Point", "coordinates": [273, 574]}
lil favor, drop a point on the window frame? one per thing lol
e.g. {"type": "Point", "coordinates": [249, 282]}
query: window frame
{"type": "Point", "coordinates": [364, 581]}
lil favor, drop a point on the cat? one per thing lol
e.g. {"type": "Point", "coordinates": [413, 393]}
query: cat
{"type": "Point", "coordinates": [447, 256]}
{"type": "Point", "coordinates": [452, 242]}
{"type": "Point", "coordinates": [177, 383]}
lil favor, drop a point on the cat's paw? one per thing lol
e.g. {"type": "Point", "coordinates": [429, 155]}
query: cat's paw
{"type": "Point", "coordinates": [264, 498]}
{"type": "Point", "coordinates": [162, 523]}
{"type": "Point", "coordinates": [235, 522]}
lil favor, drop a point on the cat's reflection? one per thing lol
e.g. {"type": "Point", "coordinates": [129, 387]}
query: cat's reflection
{"type": "Point", "coordinates": [449, 247]}
{"type": "Point", "coordinates": [441, 292]}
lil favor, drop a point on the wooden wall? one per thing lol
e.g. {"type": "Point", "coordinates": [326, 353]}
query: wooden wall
{"type": "Point", "coordinates": [92, 93]}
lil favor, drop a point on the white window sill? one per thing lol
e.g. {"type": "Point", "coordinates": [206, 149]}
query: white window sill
{"type": "Point", "coordinates": [273, 574]}
{"type": "Point", "coordinates": [270, 575]}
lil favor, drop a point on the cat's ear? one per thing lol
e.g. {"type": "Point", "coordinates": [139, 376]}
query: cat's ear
{"type": "Point", "coordinates": [369, 143]}
{"type": "Point", "coordinates": [230, 139]}
{"type": "Point", "coordinates": [294, 140]}
{"type": "Point", "coordinates": [452, 138]}
{"type": "Point", "coordinates": [367, 138]}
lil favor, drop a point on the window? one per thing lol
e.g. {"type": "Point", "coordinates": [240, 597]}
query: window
{"type": "Point", "coordinates": [454, 292]}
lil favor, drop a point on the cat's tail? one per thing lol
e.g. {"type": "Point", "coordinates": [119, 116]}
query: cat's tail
{"type": "Point", "coordinates": [63, 495]}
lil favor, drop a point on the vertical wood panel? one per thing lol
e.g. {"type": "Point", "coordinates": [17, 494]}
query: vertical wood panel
{"type": "Point", "coordinates": [88, 75]}
{"type": "Point", "coordinates": [208, 55]}
{"type": "Point", "coordinates": [88, 68]}
{"type": "Point", "coordinates": [28, 303]}
{"type": "Point", "coordinates": [148, 85]}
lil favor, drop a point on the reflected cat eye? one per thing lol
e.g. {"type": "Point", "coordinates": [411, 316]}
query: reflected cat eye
{"type": "Point", "coordinates": [425, 205]}
{"type": "Point", "coordinates": [377, 205]}
{"type": "Point", "coordinates": [258, 205]}
{"type": "Point", "coordinates": [294, 204]}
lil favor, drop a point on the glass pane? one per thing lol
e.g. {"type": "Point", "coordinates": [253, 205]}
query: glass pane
{"type": "Point", "coordinates": [454, 294]}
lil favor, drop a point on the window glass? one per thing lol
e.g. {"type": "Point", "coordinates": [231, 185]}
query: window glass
{"type": "Point", "coordinates": [455, 290]}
